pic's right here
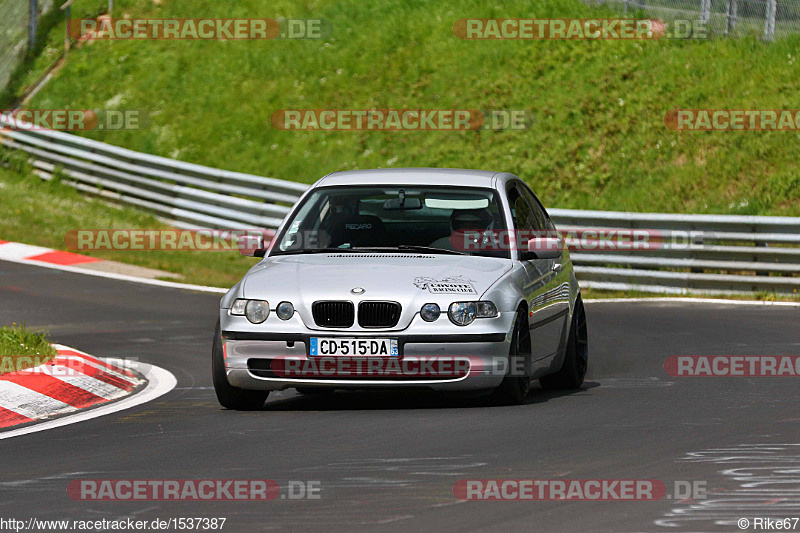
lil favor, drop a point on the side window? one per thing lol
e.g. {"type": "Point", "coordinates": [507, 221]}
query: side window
{"type": "Point", "coordinates": [542, 219]}
{"type": "Point", "coordinates": [524, 219]}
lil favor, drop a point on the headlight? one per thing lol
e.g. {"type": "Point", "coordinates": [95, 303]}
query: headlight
{"type": "Point", "coordinates": [256, 311]}
{"type": "Point", "coordinates": [285, 310]}
{"type": "Point", "coordinates": [462, 313]}
{"type": "Point", "coordinates": [430, 312]}
{"type": "Point", "coordinates": [238, 307]}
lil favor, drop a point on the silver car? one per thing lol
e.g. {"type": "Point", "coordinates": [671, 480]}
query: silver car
{"type": "Point", "coordinates": [442, 279]}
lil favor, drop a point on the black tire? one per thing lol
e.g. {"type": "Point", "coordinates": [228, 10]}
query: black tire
{"type": "Point", "coordinates": [227, 395]}
{"type": "Point", "coordinates": [514, 388]}
{"type": "Point", "coordinates": [576, 359]}
{"type": "Point", "coordinates": [314, 391]}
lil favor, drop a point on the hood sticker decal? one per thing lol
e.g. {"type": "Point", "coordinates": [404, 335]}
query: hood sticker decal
{"type": "Point", "coordinates": [449, 285]}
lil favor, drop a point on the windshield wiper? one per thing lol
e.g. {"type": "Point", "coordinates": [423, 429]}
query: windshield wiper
{"type": "Point", "coordinates": [321, 251]}
{"type": "Point", "coordinates": [411, 248]}
{"type": "Point", "coordinates": [368, 249]}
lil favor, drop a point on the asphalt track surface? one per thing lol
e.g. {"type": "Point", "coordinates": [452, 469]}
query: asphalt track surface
{"type": "Point", "coordinates": [388, 462]}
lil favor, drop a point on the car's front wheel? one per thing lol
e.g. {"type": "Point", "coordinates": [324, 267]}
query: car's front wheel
{"type": "Point", "coordinates": [314, 391]}
{"type": "Point", "coordinates": [227, 395]}
{"type": "Point", "coordinates": [576, 358]}
{"type": "Point", "coordinates": [516, 384]}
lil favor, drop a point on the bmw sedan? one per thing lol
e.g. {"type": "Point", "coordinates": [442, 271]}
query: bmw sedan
{"type": "Point", "coordinates": [438, 279]}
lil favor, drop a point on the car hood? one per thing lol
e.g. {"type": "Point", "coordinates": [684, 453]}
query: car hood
{"type": "Point", "coordinates": [410, 279]}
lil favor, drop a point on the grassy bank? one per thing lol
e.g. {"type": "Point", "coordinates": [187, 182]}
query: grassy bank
{"type": "Point", "coordinates": [21, 348]}
{"type": "Point", "coordinates": [598, 141]}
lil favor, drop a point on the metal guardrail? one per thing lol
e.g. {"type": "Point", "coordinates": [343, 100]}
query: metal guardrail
{"type": "Point", "coordinates": [687, 253]}
{"type": "Point", "coordinates": [184, 194]}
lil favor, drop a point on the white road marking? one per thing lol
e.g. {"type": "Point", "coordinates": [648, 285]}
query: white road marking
{"type": "Point", "coordinates": [90, 363]}
{"type": "Point", "coordinates": [160, 382]}
{"type": "Point", "coordinates": [29, 403]}
{"type": "Point", "coordinates": [15, 251]}
{"type": "Point", "coordinates": [768, 478]}
{"type": "Point", "coordinates": [87, 383]}
{"type": "Point", "coordinates": [119, 277]}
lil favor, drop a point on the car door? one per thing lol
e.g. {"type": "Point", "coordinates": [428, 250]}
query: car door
{"type": "Point", "coordinates": [547, 306]}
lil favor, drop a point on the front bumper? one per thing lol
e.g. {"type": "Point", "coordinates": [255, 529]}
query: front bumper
{"type": "Point", "coordinates": [461, 361]}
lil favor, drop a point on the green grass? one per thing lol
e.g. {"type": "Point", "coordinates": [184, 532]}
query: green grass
{"type": "Point", "coordinates": [46, 51]}
{"type": "Point", "coordinates": [41, 213]}
{"type": "Point", "coordinates": [21, 348]}
{"type": "Point", "coordinates": [599, 140]}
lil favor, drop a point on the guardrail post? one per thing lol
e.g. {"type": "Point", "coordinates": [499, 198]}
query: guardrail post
{"type": "Point", "coordinates": [66, 31]}
{"type": "Point", "coordinates": [66, 8]}
{"type": "Point", "coordinates": [759, 244]}
{"type": "Point", "coordinates": [730, 16]}
{"type": "Point", "coordinates": [698, 239]}
{"type": "Point", "coordinates": [33, 21]}
{"type": "Point", "coordinates": [705, 11]}
{"type": "Point", "coordinates": [769, 22]}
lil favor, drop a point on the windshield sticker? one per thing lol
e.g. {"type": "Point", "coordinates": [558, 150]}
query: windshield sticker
{"type": "Point", "coordinates": [449, 285]}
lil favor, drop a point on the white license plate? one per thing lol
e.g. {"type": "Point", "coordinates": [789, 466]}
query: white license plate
{"type": "Point", "coordinates": [321, 346]}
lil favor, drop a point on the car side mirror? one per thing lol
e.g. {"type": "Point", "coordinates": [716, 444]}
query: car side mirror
{"type": "Point", "coordinates": [544, 248]}
{"type": "Point", "coordinates": [252, 245]}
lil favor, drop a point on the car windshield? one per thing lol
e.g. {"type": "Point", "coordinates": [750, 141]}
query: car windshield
{"type": "Point", "coordinates": [453, 220]}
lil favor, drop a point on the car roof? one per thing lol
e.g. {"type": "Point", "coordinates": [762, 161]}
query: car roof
{"type": "Point", "coordinates": [410, 176]}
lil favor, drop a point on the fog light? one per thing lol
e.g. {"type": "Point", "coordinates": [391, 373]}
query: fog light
{"type": "Point", "coordinates": [285, 310]}
{"type": "Point", "coordinates": [430, 312]}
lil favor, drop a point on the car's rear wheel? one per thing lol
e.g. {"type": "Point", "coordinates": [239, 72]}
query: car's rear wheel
{"type": "Point", "coordinates": [516, 384]}
{"type": "Point", "coordinates": [576, 359]}
{"type": "Point", "coordinates": [227, 395]}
